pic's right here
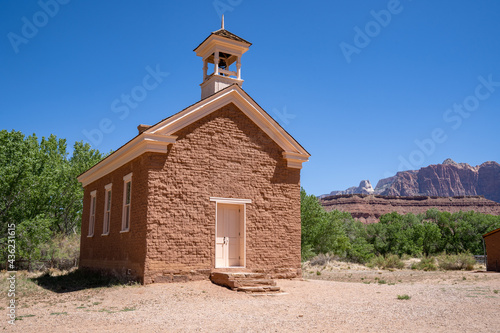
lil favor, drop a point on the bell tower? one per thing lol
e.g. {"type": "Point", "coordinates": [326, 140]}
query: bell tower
{"type": "Point", "coordinates": [221, 51]}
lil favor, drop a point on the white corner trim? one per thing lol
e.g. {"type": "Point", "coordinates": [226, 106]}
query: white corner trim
{"type": "Point", "coordinates": [230, 200]}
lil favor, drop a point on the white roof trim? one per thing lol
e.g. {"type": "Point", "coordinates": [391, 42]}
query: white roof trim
{"type": "Point", "coordinates": [240, 98]}
{"type": "Point", "coordinates": [230, 200]}
{"type": "Point", "coordinates": [224, 44]}
{"type": "Point", "coordinates": [141, 144]}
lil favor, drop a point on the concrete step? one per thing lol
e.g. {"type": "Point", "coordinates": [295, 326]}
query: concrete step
{"type": "Point", "coordinates": [253, 283]}
{"type": "Point", "coordinates": [246, 275]}
{"type": "Point", "coordinates": [244, 281]}
{"type": "Point", "coordinates": [261, 289]}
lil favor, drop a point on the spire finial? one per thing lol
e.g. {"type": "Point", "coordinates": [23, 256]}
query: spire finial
{"type": "Point", "coordinates": [222, 25]}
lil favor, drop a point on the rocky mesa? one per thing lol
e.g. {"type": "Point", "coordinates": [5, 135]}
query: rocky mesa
{"type": "Point", "coordinates": [449, 186]}
{"type": "Point", "coordinates": [448, 179]}
{"type": "Point", "coordinates": [445, 180]}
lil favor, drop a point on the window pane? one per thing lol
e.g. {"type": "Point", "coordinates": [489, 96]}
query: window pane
{"type": "Point", "coordinates": [127, 216]}
{"type": "Point", "coordinates": [127, 200]}
{"type": "Point", "coordinates": [106, 223]}
{"type": "Point", "coordinates": [108, 208]}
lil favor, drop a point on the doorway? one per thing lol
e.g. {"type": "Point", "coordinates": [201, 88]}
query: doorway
{"type": "Point", "coordinates": [230, 235]}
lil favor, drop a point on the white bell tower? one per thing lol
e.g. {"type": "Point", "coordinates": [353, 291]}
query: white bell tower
{"type": "Point", "coordinates": [222, 50]}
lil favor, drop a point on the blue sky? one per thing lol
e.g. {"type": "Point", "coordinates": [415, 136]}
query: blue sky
{"type": "Point", "coordinates": [367, 87]}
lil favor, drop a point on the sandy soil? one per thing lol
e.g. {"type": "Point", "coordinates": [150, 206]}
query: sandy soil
{"type": "Point", "coordinates": [344, 300]}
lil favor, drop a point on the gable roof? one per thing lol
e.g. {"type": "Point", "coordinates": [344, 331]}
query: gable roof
{"type": "Point", "coordinates": [226, 34]}
{"type": "Point", "coordinates": [159, 136]}
{"type": "Point", "coordinates": [491, 233]}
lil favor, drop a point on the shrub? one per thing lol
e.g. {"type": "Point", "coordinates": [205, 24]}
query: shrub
{"type": "Point", "coordinates": [321, 260]}
{"type": "Point", "coordinates": [390, 261]}
{"type": "Point", "coordinates": [456, 261]}
{"type": "Point", "coordinates": [425, 264]}
{"type": "Point", "coordinates": [377, 261]}
{"type": "Point", "coordinates": [62, 251]}
{"type": "Point", "coordinates": [393, 261]}
{"type": "Point", "coordinates": [306, 252]}
{"type": "Point", "coordinates": [405, 256]}
{"type": "Point", "coordinates": [404, 297]}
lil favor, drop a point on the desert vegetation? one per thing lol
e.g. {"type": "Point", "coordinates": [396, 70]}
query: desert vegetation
{"type": "Point", "coordinates": [443, 240]}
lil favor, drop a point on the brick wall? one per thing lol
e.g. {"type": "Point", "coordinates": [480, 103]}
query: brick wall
{"type": "Point", "coordinates": [493, 251]}
{"type": "Point", "coordinates": [222, 155]}
{"type": "Point", "coordinates": [118, 252]}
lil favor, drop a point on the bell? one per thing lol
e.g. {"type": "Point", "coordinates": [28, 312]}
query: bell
{"type": "Point", "coordinates": [222, 64]}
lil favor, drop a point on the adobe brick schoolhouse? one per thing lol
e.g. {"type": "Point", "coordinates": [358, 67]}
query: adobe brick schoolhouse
{"type": "Point", "coordinates": [216, 185]}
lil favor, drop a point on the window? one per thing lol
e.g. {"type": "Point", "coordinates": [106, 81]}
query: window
{"type": "Point", "coordinates": [107, 210]}
{"type": "Point", "coordinates": [92, 213]}
{"type": "Point", "coordinates": [127, 196]}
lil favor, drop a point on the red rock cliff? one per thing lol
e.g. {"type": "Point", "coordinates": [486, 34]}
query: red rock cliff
{"type": "Point", "coordinates": [445, 180]}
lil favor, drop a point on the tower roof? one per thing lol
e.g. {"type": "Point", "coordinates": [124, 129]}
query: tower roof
{"type": "Point", "coordinates": [230, 35]}
{"type": "Point", "coordinates": [225, 34]}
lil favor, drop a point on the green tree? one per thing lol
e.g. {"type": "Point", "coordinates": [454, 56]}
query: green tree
{"type": "Point", "coordinates": [322, 231]}
{"type": "Point", "coordinates": [330, 235]}
{"type": "Point", "coordinates": [31, 234]}
{"type": "Point", "coordinates": [431, 237]}
{"type": "Point", "coordinates": [39, 192]}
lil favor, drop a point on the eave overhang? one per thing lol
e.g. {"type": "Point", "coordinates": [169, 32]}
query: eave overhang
{"type": "Point", "coordinates": [143, 143]}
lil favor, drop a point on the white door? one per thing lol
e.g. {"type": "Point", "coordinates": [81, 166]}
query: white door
{"type": "Point", "coordinates": [228, 236]}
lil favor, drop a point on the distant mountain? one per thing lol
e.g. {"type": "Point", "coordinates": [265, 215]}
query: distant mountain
{"type": "Point", "coordinates": [445, 180]}
{"type": "Point", "coordinates": [365, 187]}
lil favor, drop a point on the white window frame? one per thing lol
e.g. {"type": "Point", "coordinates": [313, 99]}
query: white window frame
{"type": "Point", "coordinates": [108, 196]}
{"type": "Point", "coordinates": [93, 203]}
{"type": "Point", "coordinates": [126, 206]}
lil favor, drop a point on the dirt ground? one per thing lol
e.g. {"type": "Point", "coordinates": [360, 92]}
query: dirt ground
{"type": "Point", "coordinates": [341, 299]}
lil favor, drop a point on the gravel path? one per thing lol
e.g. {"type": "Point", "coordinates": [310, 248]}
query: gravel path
{"type": "Point", "coordinates": [453, 305]}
